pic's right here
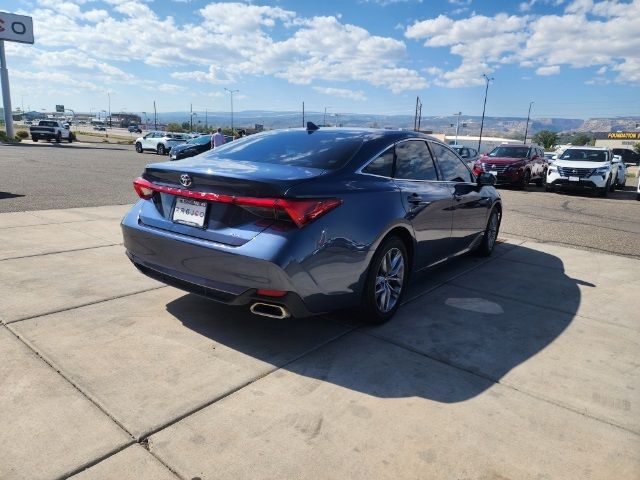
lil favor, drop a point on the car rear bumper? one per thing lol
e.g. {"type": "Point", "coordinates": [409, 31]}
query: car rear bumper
{"type": "Point", "coordinates": [233, 275]}
{"type": "Point", "coordinates": [45, 135]}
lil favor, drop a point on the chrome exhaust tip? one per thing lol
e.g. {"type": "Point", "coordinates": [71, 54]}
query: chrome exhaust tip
{"type": "Point", "coordinates": [269, 310]}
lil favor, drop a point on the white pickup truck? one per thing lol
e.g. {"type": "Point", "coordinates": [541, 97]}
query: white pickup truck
{"type": "Point", "coordinates": [51, 130]}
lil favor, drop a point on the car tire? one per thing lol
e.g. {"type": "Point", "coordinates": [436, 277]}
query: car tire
{"type": "Point", "coordinates": [70, 139]}
{"type": "Point", "coordinates": [540, 181]}
{"type": "Point", "coordinates": [613, 185]}
{"type": "Point", "coordinates": [490, 234]}
{"type": "Point", "coordinates": [161, 150]}
{"type": "Point", "coordinates": [548, 187]}
{"type": "Point", "coordinates": [58, 137]}
{"type": "Point", "coordinates": [526, 178]}
{"type": "Point", "coordinates": [34, 139]}
{"type": "Point", "coordinates": [380, 300]}
{"type": "Point", "coordinates": [139, 147]}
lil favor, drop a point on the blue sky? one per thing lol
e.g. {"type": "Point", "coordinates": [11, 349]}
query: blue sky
{"type": "Point", "coordinates": [573, 58]}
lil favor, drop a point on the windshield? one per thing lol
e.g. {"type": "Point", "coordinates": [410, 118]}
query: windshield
{"type": "Point", "coordinates": [324, 150]}
{"type": "Point", "coordinates": [510, 152]}
{"type": "Point", "coordinates": [584, 155]}
{"type": "Point", "coordinates": [203, 140]}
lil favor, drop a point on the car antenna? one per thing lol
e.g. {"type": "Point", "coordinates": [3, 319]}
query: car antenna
{"type": "Point", "coordinates": [312, 127]}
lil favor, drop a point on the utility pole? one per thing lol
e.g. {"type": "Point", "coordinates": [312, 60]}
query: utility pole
{"type": "Point", "coordinates": [486, 90]}
{"type": "Point", "coordinates": [417, 119]}
{"type": "Point", "coordinates": [526, 130]}
{"type": "Point", "coordinates": [109, 95]}
{"type": "Point", "coordinates": [457, 125]}
{"type": "Point", "coordinates": [206, 120]}
{"type": "Point", "coordinates": [191, 117]}
{"type": "Point", "coordinates": [155, 116]}
{"type": "Point", "coordinates": [6, 95]}
{"type": "Point", "coordinates": [303, 124]}
{"type": "Point", "coordinates": [324, 121]}
{"type": "Point", "coordinates": [232, 92]}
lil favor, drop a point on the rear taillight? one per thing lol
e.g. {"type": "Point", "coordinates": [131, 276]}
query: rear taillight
{"type": "Point", "coordinates": [300, 211]}
{"type": "Point", "coordinates": [143, 188]}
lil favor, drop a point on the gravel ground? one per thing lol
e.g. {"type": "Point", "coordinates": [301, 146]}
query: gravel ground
{"type": "Point", "coordinates": [43, 176]}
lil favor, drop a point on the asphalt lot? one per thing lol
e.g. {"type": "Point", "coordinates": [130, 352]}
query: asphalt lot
{"type": "Point", "coordinates": [43, 176]}
{"type": "Point", "coordinates": [520, 366]}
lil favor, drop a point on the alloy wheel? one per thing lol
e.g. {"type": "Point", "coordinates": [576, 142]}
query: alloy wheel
{"type": "Point", "coordinates": [389, 280]}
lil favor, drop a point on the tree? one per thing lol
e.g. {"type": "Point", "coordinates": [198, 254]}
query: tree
{"type": "Point", "coordinates": [580, 139]}
{"type": "Point", "coordinates": [636, 147]}
{"type": "Point", "coordinates": [546, 138]}
{"type": "Point", "coordinates": [174, 127]}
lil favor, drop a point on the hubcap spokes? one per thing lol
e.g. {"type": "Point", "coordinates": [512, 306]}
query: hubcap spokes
{"type": "Point", "coordinates": [389, 280]}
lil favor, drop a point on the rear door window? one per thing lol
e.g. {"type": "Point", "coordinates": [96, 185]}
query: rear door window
{"type": "Point", "coordinates": [451, 167]}
{"type": "Point", "coordinates": [414, 161]}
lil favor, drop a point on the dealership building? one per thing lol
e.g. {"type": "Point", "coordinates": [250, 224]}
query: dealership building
{"type": "Point", "coordinates": [617, 139]}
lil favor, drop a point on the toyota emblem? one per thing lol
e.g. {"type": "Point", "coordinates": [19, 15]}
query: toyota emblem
{"type": "Point", "coordinates": [185, 180]}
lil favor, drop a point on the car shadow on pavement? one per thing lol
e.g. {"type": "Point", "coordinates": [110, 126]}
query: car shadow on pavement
{"type": "Point", "coordinates": [449, 345]}
{"type": "Point", "coordinates": [4, 195]}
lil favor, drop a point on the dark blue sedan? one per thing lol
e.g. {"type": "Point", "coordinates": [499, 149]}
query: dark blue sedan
{"type": "Point", "coordinates": [304, 221]}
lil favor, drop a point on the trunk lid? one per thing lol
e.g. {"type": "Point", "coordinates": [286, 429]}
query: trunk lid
{"type": "Point", "coordinates": [224, 223]}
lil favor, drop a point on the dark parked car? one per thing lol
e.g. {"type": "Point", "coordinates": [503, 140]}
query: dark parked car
{"type": "Point", "coordinates": [514, 164]}
{"type": "Point", "coordinates": [299, 222]}
{"type": "Point", "coordinates": [192, 147]}
{"type": "Point", "coordinates": [135, 129]}
{"type": "Point", "coordinates": [629, 157]}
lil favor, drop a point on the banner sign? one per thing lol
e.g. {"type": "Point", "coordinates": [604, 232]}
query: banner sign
{"type": "Point", "coordinates": [623, 136]}
{"type": "Point", "coordinates": [16, 28]}
{"type": "Point", "coordinates": [59, 108]}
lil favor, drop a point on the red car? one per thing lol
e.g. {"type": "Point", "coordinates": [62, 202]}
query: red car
{"type": "Point", "coordinates": [514, 164]}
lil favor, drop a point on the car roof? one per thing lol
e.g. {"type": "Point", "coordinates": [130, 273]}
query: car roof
{"type": "Point", "coordinates": [588, 147]}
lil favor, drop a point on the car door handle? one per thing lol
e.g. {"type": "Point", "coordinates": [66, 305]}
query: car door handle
{"type": "Point", "coordinates": [414, 198]}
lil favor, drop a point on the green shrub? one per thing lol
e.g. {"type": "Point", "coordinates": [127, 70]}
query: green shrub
{"type": "Point", "coordinates": [22, 134]}
{"type": "Point", "coordinates": [4, 138]}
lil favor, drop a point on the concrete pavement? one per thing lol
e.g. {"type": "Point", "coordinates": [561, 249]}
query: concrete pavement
{"type": "Point", "coordinates": [524, 365]}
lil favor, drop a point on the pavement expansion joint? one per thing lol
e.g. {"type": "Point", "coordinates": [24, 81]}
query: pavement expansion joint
{"type": "Point", "coordinates": [95, 302]}
{"type": "Point", "coordinates": [202, 406]}
{"type": "Point", "coordinates": [60, 251]}
{"type": "Point", "coordinates": [497, 381]}
{"type": "Point", "coordinates": [60, 372]}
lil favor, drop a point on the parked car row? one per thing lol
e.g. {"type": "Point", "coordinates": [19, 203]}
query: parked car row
{"type": "Point", "coordinates": [176, 145]}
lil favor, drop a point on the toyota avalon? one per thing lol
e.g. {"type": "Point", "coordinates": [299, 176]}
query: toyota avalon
{"type": "Point", "coordinates": [303, 221]}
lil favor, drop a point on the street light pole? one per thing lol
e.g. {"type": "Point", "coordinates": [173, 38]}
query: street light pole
{"type": "Point", "coordinates": [526, 130]}
{"type": "Point", "coordinates": [109, 95]}
{"type": "Point", "coordinates": [486, 90]}
{"type": "Point", "coordinates": [457, 125]}
{"type": "Point", "coordinates": [324, 122]}
{"type": "Point", "coordinates": [232, 92]}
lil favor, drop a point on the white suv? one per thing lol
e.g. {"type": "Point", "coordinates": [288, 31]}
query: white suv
{"type": "Point", "coordinates": [159, 142]}
{"type": "Point", "coordinates": [584, 167]}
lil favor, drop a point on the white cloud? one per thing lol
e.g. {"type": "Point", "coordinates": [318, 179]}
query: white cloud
{"type": "Point", "coordinates": [342, 93]}
{"type": "Point", "coordinates": [550, 70]}
{"type": "Point", "coordinates": [237, 38]}
{"type": "Point", "coordinates": [544, 42]}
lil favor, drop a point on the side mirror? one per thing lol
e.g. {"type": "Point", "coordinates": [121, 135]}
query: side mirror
{"type": "Point", "coordinates": [486, 179]}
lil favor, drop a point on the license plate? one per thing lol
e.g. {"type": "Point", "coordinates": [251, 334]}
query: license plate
{"type": "Point", "coordinates": [574, 179]}
{"type": "Point", "coordinates": [190, 212]}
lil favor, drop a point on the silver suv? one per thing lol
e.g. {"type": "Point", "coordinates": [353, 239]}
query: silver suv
{"type": "Point", "coordinates": [160, 142]}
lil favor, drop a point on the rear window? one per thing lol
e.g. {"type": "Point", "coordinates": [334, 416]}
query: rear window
{"type": "Point", "coordinates": [45, 123]}
{"type": "Point", "coordinates": [324, 150]}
